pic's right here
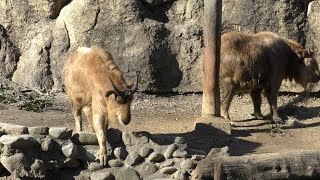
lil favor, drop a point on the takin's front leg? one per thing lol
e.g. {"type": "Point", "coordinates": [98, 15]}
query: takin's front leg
{"type": "Point", "coordinates": [100, 130]}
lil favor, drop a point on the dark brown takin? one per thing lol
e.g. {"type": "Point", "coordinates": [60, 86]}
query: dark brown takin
{"type": "Point", "coordinates": [256, 63]}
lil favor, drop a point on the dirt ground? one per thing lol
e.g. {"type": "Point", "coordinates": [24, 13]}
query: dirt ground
{"type": "Point", "coordinates": [174, 114]}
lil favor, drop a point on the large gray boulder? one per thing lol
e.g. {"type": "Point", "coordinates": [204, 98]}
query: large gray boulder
{"type": "Point", "coordinates": [28, 25]}
{"type": "Point", "coordinates": [161, 40]}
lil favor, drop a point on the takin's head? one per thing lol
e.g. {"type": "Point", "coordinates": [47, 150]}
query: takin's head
{"type": "Point", "coordinates": [308, 69]}
{"type": "Point", "coordinates": [119, 101]}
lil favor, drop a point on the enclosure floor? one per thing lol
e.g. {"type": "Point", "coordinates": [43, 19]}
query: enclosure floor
{"type": "Point", "coordinates": [175, 115]}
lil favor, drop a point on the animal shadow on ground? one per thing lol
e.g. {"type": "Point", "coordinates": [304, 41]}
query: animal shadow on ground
{"type": "Point", "coordinates": [291, 109]}
{"type": "Point", "coordinates": [203, 139]}
{"type": "Point", "coordinates": [299, 112]}
{"type": "Point", "coordinates": [286, 111]}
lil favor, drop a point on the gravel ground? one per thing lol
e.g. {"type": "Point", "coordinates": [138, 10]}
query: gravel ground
{"type": "Point", "coordinates": [177, 113]}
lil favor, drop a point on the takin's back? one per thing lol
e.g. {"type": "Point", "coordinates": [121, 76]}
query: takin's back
{"type": "Point", "coordinates": [248, 59]}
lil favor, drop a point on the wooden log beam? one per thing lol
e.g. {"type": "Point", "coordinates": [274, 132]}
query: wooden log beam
{"type": "Point", "coordinates": [290, 165]}
{"type": "Point", "coordinates": [211, 62]}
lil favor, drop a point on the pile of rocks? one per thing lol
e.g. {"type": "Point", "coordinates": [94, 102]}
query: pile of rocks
{"type": "Point", "coordinates": [37, 152]}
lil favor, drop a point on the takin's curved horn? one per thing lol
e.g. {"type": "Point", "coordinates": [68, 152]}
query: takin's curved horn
{"type": "Point", "coordinates": [135, 85]}
{"type": "Point", "coordinates": [116, 90]}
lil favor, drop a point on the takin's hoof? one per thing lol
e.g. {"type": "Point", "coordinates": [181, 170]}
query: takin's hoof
{"type": "Point", "coordinates": [225, 116]}
{"type": "Point", "coordinates": [103, 159]}
{"type": "Point", "coordinates": [257, 116]}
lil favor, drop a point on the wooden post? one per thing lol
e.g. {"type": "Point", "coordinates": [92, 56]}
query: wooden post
{"type": "Point", "coordinates": [211, 63]}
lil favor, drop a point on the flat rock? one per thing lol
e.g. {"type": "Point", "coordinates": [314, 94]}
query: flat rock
{"type": "Point", "coordinates": [179, 140]}
{"type": "Point", "coordinates": [145, 151]}
{"type": "Point", "coordinates": [187, 164]}
{"type": "Point", "coordinates": [133, 159]}
{"type": "Point", "coordinates": [85, 138]}
{"type": "Point", "coordinates": [155, 157]}
{"type": "Point", "coordinates": [16, 163]}
{"type": "Point", "coordinates": [179, 175]}
{"type": "Point", "coordinates": [101, 176]}
{"type": "Point", "coordinates": [115, 163]}
{"type": "Point", "coordinates": [60, 132]}
{"type": "Point", "coordinates": [47, 144]}
{"type": "Point", "coordinates": [13, 129]}
{"type": "Point", "coordinates": [19, 141]}
{"type": "Point", "coordinates": [94, 166]}
{"type": "Point", "coordinates": [127, 173]}
{"type": "Point", "coordinates": [38, 130]}
{"type": "Point", "coordinates": [219, 151]}
{"type": "Point", "coordinates": [134, 138]}
{"type": "Point", "coordinates": [88, 153]}
{"type": "Point", "coordinates": [168, 170]}
{"type": "Point", "coordinates": [166, 163]}
{"type": "Point", "coordinates": [180, 154]}
{"type": "Point", "coordinates": [70, 150]}
{"type": "Point", "coordinates": [197, 157]}
{"type": "Point", "coordinates": [147, 169]}
{"type": "Point", "coordinates": [120, 153]}
{"type": "Point", "coordinates": [169, 151]}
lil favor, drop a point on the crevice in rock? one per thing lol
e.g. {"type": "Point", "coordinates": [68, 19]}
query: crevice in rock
{"type": "Point", "coordinates": [166, 70]}
{"type": "Point", "coordinates": [10, 52]}
{"type": "Point", "coordinates": [57, 6]}
{"type": "Point", "coordinates": [155, 12]}
{"type": "Point", "coordinates": [95, 19]}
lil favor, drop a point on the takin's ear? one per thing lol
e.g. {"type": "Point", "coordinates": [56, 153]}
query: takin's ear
{"type": "Point", "coordinates": [108, 93]}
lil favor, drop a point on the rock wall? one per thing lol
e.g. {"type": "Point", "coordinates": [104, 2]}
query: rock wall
{"type": "Point", "coordinates": [159, 39]}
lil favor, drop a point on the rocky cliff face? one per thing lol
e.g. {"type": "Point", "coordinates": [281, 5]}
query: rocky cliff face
{"type": "Point", "coordinates": [161, 40]}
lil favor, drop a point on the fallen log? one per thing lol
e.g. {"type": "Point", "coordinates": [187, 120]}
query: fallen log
{"type": "Point", "coordinates": [290, 165]}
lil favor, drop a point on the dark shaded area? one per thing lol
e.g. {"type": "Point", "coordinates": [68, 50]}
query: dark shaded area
{"type": "Point", "coordinates": [8, 51]}
{"type": "Point", "coordinates": [163, 63]}
{"type": "Point", "coordinates": [57, 6]}
{"type": "Point", "coordinates": [155, 10]}
{"type": "Point", "coordinates": [66, 174]}
{"type": "Point", "coordinates": [203, 139]}
{"type": "Point", "coordinates": [3, 172]}
{"type": "Point", "coordinates": [299, 112]}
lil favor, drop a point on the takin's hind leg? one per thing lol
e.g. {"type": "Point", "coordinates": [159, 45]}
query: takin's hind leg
{"type": "Point", "coordinates": [88, 112]}
{"type": "Point", "coordinates": [227, 93]}
{"type": "Point", "coordinates": [256, 100]}
{"type": "Point", "coordinates": [76, 111]}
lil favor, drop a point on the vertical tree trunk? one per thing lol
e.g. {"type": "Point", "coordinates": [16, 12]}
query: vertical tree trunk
{"type": "Point", "coordinates": [211, 63]}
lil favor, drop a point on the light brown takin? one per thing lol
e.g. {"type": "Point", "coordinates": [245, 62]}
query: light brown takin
{"type": "Point", "coordinates": [257, 63]}
{"type": "Point", "coordinates": [95, 85]}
